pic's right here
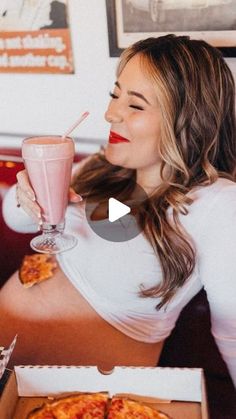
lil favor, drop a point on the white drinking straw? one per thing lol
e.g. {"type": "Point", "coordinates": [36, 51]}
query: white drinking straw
{"type": "Point", "coordinates": [81, 118]}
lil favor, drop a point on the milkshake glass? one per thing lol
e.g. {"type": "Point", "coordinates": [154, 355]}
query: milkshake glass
{"type": "Point", "coordinates": [48, 161]}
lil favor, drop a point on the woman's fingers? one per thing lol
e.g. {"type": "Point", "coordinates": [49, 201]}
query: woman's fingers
{"type": "Point", "coordinates": [25, 197]}
{"type": "Point", "coordinates": [24, 184]}
{"type": "Point", "coordinates": [31, 208]}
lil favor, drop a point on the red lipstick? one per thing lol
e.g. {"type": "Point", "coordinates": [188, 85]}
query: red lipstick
{"type": "Point", "coordinates": [115, 138]}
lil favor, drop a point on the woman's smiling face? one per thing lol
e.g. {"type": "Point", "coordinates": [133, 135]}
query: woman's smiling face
{"type": "Point", "coordinates": [135, 119]}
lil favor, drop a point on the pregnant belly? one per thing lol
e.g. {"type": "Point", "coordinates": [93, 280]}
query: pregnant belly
{"type": "Point", "coordinates": [56, 325]}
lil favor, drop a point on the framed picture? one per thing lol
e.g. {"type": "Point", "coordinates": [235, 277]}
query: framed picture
{"type": "Point", "coordinates": [211, 20]}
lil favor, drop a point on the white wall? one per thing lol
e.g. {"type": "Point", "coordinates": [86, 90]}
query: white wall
{"type": "Point", "coordinates": [38, 104]}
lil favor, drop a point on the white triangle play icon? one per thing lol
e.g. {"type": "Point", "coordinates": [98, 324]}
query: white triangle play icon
{"type": "Point", "coordinates": [116, 209]}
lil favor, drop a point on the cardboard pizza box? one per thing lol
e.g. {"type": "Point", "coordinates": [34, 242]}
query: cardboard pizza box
{"type": "Point", "coordinates": [178, 392]}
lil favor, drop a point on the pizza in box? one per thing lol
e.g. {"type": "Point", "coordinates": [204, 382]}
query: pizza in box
{"type": "Point", "coordinates": [95, 406]}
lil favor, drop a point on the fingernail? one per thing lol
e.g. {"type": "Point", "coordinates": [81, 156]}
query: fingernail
{"type": "Point", "coordinates": [77, 198]}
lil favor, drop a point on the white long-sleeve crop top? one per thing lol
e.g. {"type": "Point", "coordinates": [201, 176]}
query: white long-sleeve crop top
{"type": "Point", "coordinates": [109, 274]}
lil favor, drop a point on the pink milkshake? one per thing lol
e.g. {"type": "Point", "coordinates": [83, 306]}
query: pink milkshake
{"type": "Point", "coordinates": [48, 161]}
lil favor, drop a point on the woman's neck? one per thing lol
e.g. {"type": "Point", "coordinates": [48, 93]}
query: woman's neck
{"type": "Point", "coordinates": [149, 178]}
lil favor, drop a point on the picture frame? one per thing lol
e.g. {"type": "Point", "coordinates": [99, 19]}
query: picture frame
{"type": "Point", "coordinates": [120, 37]}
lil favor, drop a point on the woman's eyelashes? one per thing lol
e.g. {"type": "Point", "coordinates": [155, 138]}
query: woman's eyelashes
{"type": "Point", "coordinates": [113, 96]}
{"type": "Point", "coordinates": [138, 107]}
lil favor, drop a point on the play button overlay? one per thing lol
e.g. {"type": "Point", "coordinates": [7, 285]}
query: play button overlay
{"type": "Point", "coordinates": [113, 216]}
{"type": "Point", "coordinates": [116, 210]}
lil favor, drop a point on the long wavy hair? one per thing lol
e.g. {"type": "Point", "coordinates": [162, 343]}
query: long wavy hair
{"type": "Point", "coordinates": [196, 92]}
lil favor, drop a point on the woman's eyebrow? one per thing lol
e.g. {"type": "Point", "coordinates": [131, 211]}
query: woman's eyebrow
{"type": "Point", "coordinates": [139, 95]}
{"type": "Point", "coordinates": [134, 93]}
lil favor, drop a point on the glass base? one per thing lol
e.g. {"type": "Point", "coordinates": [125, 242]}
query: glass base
{"type": "Point", "coordinates": [53, 243]}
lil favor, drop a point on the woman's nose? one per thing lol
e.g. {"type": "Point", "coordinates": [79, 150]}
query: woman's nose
{"type": "Point", "coordinates": [113, 114]}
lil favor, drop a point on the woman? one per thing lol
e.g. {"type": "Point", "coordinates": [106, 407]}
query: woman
{"type": "Point", "coordinates": [173, 109]}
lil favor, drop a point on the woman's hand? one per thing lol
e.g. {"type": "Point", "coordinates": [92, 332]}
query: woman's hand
{"type": "Point", "coordinates": [26, 199]}
{"type": "Point", "coordinates": [74, 197]}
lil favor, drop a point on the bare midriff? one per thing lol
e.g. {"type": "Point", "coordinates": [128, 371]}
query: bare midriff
{"type": "Point", "coordinates": [56, 325]}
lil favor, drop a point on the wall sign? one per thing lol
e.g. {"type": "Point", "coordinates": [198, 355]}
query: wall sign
{"type": "Point", "coordinates": [35, 37]}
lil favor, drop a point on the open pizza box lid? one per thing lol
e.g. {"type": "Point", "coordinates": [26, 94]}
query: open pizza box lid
{"type": "Point", "coordinates": [182, 389]}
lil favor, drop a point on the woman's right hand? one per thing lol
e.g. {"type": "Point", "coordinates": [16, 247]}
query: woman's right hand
{"type": "Point", "coordinates": [26, 198]}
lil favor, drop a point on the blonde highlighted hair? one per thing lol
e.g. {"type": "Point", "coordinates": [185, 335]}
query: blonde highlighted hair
{"type": "Point", "coordinates": [196, 92]}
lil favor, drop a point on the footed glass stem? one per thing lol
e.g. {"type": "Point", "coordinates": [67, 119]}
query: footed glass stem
{"type": "Point", "coordinates": [53, 240]}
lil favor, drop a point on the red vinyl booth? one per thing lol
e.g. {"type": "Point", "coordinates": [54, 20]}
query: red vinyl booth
{"type": "Point", "coordinates": [13, 245]}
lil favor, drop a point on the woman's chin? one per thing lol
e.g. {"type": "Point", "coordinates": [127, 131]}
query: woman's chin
{"type": "Point", "coordinates": [114, 157]}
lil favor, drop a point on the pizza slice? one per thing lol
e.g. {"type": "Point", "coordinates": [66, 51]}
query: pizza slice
{"type": "Point", "coordinates": [121, 408]}
{"type": "Point", "coordinates": [36, 268]}
{"type": "Point", "coordinates": [81, 406]}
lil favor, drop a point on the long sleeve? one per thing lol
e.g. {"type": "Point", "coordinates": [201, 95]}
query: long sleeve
{"type": "Point", "coordinates": [16, 218]}
{"type": "Point", "coordinates": [217, 262]}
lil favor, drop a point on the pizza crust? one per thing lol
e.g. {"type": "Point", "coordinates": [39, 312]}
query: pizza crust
{"type": "Point", "coordinates": [122, 408]}
{"type": "Point", "coordinates": [95, 406]}
{"type": "Point", "coordinates": [89, 406]}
